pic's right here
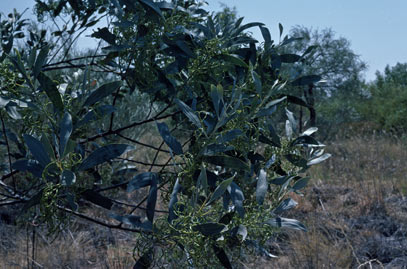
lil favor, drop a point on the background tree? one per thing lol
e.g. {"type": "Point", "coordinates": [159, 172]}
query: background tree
{"type": "Point", "coordinates": [385, 100]}
{"type": "Point", "coordinates": [340, 68]}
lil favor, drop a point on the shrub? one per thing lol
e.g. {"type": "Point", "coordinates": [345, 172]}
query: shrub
{"type": "Point", "coordinates": [218, 181]}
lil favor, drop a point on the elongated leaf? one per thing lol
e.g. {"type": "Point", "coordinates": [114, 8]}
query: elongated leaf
{"type": "Point", "coordinates": [280, 26]}
{"type": "Point", "coordinates": [51, 90]}
{"type": "Point", "coordinates": [286, 223]}
{"type": "Point", "coordinates": [150, 5]}
{"type": "Point", "coordinates": [220, 190]}
{"type": "Point", "coordinates": [229, 136]}
{"type": "Point", "coordinates": [234, 59]}
{"type": "Point", "coordinates": [40, 61]}
{"type": "Point", "coordinates": [236, 194]}
{"type": "Point", "coordinates": [102, 92]}
{"type": "Point", "coordinates": [274, 136]}
{"type": "Point", "coordinates": [203, 179]}
{"type": "Point", "coordinates": [296, 160]}
{"type": "Point", "coordinates": [300, 184]}
{"type": "Point", "coordinates": [266, 34]}
{"type": "Point", "coordinates": [141, 180]}
{"type": "Point", "coordinates": [135, 221]}
{"type": "Point", "coordinates": [189, 113]}
{"type": "Point", "coordinates": [209, 229]}
{"type": "Point", "coordinates": [152, 199]}
{"type": "Point", "coordinates": [97, 199]}
{"type": "Point", "coordinates": [37, 150]}
{"type": "Point", "coordinates": [173, 200]}
{"type": "Point", "coordinates": [261, 188]}
{"type": "Point", "coordinates": [305, 140]}
{"type": "Point", "coordinates": [222, 257]}
{"type": "Point", "coordinates": [33, 201]}
{"type": "Point", "coordinates": [214, 149]}
{"type": "Point", "coordinates": [65, 131]}
{"type": "Point", "coordinates": [284, 206]}
{"type": "Point", "coordinates": [306, 80]}
{"type": "Point", "coordinates": [227, 218]}
{"type": "Point", "coordinates": [171, 141]}
{"type": "Point", "coordinates": [32, 166]}
{"type": "Point", "coordinates": [68, 178]}
{"type": "Point", "coordinates": [257, 82]}
{"type": "Point", "coordinates": [290, 58]}
{"type": "Point", "coordinates": [229, 162]}
{"type": "Point", "coordinates": [145, 261]}
{"type": "Point", "coordinates": [104, 154]}
{"type": "Point", "coordinates": [247, 26]}
{"type": "Point", "coordinates": [241, 231]}
{"type": "Point", "coordinates": [319, 159]}
{"type": "Point", "coordinates": [310, 131]}
{"type": "Point", "coordinates": [217, 99]}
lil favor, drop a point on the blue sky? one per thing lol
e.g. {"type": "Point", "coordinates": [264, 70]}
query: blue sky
{"type": "Point", "coordinates": [377, 29]}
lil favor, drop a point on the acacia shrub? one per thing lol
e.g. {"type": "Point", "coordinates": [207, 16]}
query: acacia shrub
{"type": "Point", "coordinates": [210, 85]}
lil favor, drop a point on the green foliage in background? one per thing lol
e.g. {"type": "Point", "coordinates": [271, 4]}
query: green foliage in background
{"type": "Point", "coordinates": [187, 96]}
{"type": "Point", "coordinates": [386, 99]}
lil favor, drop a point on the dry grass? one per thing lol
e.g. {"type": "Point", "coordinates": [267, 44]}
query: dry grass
{"type": "Point", "coordinates": [365, 177]}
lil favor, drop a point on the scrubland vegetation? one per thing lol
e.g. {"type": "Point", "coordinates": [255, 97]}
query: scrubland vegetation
{"type": "Point", "coordinates": [181, 141]}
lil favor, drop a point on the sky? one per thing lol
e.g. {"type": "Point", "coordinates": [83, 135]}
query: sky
{"type": "Point", "coordinates": [377, 29]}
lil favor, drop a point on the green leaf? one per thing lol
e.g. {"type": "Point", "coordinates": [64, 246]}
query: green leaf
{"type": "Point", "coordinates": [284, 206]}
{"type": "Point", "coordinates": [65, 131]}
{"type": "Point", "coordinates": [151, 6]}
{"type": "Point", "coordinates": [217, 99]}
{"type": "Point", "coordinates": [234, 59]}
{"type": "Point", "coordinates": [203, 179]}
{"type": "Point", "coordinates": [220, 190]}
{"type": "Point", "coordinates": [209, 229]}
{"type": "Point", "coordinates": [300, 183]}
{"type": "Point", "coordinates": [280, 26]}
{"type": "Point", "coordinates": [31, 166]}
{"type": "Point", "coordinates": [173, 200]}
{"type": "Point", "coordinates": [229, 162]}
{"type": "Point", "coordinates": [189, 113]}
{"type": "Point", "coordinates": [236, 194]}
{"type": "Point", "coordinates": [306, 80]}
{"type": "Point", "coordinates": [47, 145]}
{"type": "Point", "coordinates": [102, 92]}
{"type": "Point", "coordinates": [247, 26]}
{"type": "Point", "coordinates": [37, 149]}
{"type": "Point", "coordinates": [51, 90]}
{"type": "Point", "coordinates": [286, 223]}
{"type": "Point", "coordinates": [104, 154]}
{"type": "Point", "coordinates": [135, 221]}
{"type": "Point", "coordinates": [40, 61]}
{"type": "Point", "coordinates": [309, 131]}
{"type": "Point", "coordinates": [261, 188]}
{"type": "Point", "coordinates": [68, 178]}
{"type": "Point", "coordinates": [296, 160]}
{"type": "Point", "coordinates": [289, 58]}
{"type": "Point", "coordinates": [229, 136]}
{"type": "Point", "coordinates": [33, 201]}
{"type": "Point", "coordinates": [214, 149]}
{"type": "Point", "coordinates": [305, 140]}
{"type": "Point", "coordinates": [257, 82]}
{"type": "Point", "coordinates": [266, 34]}
{"type": "Point", "coordinates": [152, 199]}
{"type": "Point", "coordinates": [145, 261]}
{"type": "Point", "coordinates": [141, 180]}
{"type": "Point", "coordinates": [171, 141]}
{"type": "Point", "coordinates": [222, 257]}
{"type": "Point", "coordinates": [97, 199]}
{"type": "Point", "coordinates": [319, 159]}
{"type": "Point", "coordinates": [106, 35]}
{"type": "Point", "coordinates": [240, 230]}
